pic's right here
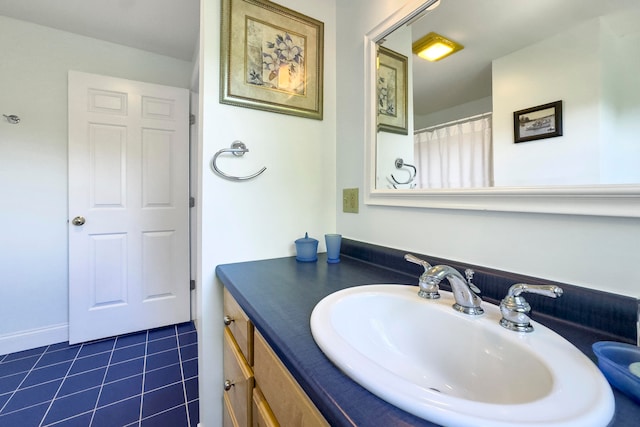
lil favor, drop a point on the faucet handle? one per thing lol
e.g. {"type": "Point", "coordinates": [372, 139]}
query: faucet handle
{"type": "Point", "coordinates": [551, 291]}
{"type": "Point", "coordinates": [469, 275]}
{"type": "Point", "coordinates": [428, 288]}
{"type": "Point", "coordinates": [414, 259]}
{"type": "Point", "coordinates": [515, 308]}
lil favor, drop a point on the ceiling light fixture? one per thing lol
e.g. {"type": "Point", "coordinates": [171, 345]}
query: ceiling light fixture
{"type": "Point", "coordinates": [433, 47]}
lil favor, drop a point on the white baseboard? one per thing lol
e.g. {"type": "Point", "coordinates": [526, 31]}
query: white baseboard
{"type": "Point", "coordinates": [33, 338]}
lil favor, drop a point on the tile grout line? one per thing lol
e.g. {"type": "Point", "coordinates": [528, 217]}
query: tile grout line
{"type": "Point", "coordinates": [163, 411]}
{"type": "Point", "coordinates": [128, 397]}
{"type": "Point", "coordinates": [52, 352]}
{"type": "Point", "coordinates": [23, 380]}
{"type": "Point", "coordinates": [184, 385]}
{"type": "Point", "coordinates": [53, 399]}
{"type": "Point", "coordinates": [20, 358]}
{"type": "Point", "coordinates": [104, 377]}
{"type": "Point", "coordinates": [144, 372]}
{"type": "Point", "coordinates": [64, 420]}
{"type": "Point", "coordinates": [34, 368]}
{"type": "Point", "coordinates": [36, 384]}
{"type": "Point", "coordinates": [47, 348]}
{"type": "Point", "coordinates": [117, 402]}
{"type": "Point", "coordinates": [73, 415]}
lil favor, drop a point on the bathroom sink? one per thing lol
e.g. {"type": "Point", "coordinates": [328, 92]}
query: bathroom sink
{"type": "Point", "coordinates": [455, 369]}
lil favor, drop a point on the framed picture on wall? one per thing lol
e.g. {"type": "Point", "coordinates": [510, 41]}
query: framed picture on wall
{"type": "Point", "coordinates": [543, 121]}
{"type": "Point", "coordinates": [391, 85]}
{"type": "Point", "coordinates": [271, 58]}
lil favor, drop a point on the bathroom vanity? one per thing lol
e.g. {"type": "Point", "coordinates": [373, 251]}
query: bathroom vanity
{"type": "Point", "coordinates": [275, 299]}
{"type": "Point", "coordinates": [259, 390]}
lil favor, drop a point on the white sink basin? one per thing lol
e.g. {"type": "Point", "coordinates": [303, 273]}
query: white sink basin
{"type": "Point", "coordinates": [454, 369]}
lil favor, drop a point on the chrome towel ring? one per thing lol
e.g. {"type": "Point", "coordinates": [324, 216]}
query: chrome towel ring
{"type": "Point", "coordinates": [399, 164]}
{"type": "Point", "coordinates": [13, 119]}
{"type": "Point", "coordinates": [238, 149]}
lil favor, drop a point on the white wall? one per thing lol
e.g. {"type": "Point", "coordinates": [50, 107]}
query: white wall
{"type": "Point", "coordinates": [33, 167]}
{"type": "Point", "coordinates": [542, 73]}
{"type": "Point", "coordinates": [595, 252]}
{"type": "Point", "coordinates": [263, 217]}
{"type": "Point", "coordinates": [619, 145]}
{"type": "Point", "coordinates": [587, 67]}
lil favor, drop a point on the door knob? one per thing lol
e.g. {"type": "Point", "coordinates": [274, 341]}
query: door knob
{"type": "Point", "coordinates": [79, 220]}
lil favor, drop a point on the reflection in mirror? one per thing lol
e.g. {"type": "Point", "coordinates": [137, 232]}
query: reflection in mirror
{"type": "Point", "coordinates": [516, 56]}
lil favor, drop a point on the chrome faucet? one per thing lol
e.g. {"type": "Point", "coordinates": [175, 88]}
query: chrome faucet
{"type": "Point", "coordinates": [515, 310]}
{"type": "Point", "coordinates": [464, 291]}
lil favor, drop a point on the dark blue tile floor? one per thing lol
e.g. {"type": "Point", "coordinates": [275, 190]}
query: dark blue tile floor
{"type": "Point", "coordinates": [145, 379]}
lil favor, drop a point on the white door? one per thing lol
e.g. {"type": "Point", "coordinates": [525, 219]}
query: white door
{"type": "Point", "coordinates": [128, 206]}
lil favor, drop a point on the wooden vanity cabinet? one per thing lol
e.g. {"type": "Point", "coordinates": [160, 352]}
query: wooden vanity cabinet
{"type": "Point", "coordinates": [237, 360]}
{"type": "Point", "coordinates": [259, 390]}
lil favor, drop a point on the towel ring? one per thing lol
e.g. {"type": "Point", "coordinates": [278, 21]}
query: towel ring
{"type": "Point", "coordinates": [12, 118]}
{"type": "Point", "coordinates": [393, 185]}
{"type": "Point", "coordinates": [238, 149]}
{"type": "Point", "coordinates": [399, 163]}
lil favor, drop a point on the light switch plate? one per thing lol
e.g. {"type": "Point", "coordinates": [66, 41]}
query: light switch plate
{"type": "Point", "coordinates": [350, 200]}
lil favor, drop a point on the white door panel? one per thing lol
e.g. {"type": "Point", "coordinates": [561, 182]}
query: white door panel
{"type": "Point", "coordinates": [129, 179]}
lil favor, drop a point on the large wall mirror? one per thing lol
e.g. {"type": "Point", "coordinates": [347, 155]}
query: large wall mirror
{"type": "Point", "coordinates": [539, 111]}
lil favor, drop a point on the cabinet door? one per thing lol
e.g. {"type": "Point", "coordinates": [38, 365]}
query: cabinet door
{"type": "Point", "coordinates": [289, 403]}
{"type": "Point", "coordinates": [239, 382]}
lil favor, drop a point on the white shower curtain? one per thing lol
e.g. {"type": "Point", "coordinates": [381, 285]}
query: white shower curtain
{"type": "Point", "coordinates": [454, 156]}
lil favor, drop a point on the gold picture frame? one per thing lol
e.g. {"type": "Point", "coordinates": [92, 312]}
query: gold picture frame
{"type": "Point", "coordinates": [271, 58]}
{"type": "Point", "coordinates": [391, 90]}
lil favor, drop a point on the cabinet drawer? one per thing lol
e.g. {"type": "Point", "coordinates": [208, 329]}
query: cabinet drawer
{"type": "Point", "coordinates": [288, 402]}
{"type": "Point", "coordinates": [240, 326]}
{"type": "Point", "coordinates": [262, 414]}
{"type": "Point", "coordinates": [239, 376]}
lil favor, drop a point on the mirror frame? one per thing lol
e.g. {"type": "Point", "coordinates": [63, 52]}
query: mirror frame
{"type": "Point", "coordinates": [597, 200]}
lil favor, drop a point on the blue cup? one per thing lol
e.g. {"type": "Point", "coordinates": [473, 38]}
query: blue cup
{"type": "Point", "coordinates": [333, 242]}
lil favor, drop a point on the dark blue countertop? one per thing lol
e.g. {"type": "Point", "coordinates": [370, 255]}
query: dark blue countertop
{"type": "Point", "coordinates": [278, 295]}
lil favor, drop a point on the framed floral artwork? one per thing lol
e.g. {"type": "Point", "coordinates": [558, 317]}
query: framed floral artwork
{"type": "Point", "coordinates": [391, 88]}
{"type": "Point", "coordinates": [271, 58]}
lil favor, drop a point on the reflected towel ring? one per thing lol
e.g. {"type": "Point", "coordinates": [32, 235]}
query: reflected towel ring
{"type": "Point", "coordinates": [12, 118]}
{"type": "Point", "coordinates": [400, 163]}
{"type": "Point", "coordinates": [238, 149]}
{"type": "Point", "coordinates": [393, 185]}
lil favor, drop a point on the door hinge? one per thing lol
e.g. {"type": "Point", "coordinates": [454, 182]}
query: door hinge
{"type": "Point", "coordinates": [192, 202]}
{"type": "Point", "coordinates": [192, 119]}
{"type": "Point", "coordinates": [192, 284]}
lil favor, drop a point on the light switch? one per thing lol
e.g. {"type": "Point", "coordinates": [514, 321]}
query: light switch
{"type": "Point", "coordinates": [350, 200]}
